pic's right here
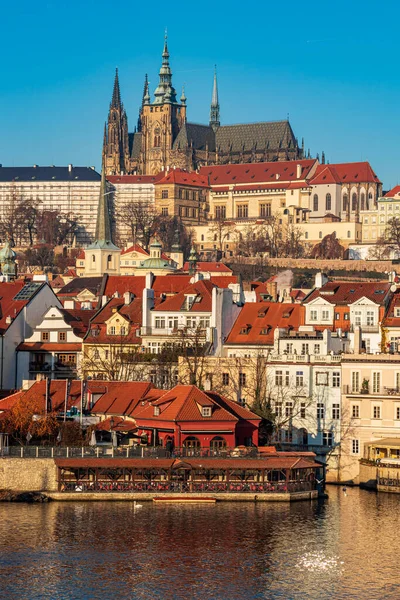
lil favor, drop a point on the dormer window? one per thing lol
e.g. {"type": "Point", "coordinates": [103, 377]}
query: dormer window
{"type": "Point", "coordinates": [111, 330]}
{"type": "Point", "coordinates": [156, 411]}
{"type": "Point", "coordinates": [123, 330]}
{"type": "Point", "coordinates": [245, 330]}
{"type": "Point", "coordinates": [206, 411]}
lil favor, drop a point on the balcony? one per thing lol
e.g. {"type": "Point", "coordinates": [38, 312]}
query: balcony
{"type": "Point", "coordinates": [384, 391]}
{"type": "Point", "coordinates": [365, 328]}
{"type": "Point", "coordinates": [307, 358]}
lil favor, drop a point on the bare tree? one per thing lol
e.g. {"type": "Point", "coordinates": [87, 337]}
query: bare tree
{"type": "Point", "coordinates": [220, 231]}
{"type": "Point", "coordinates": [380, 250]}
{"type": "Point", "coordinates": [113, 362]}
{"type": "Point", "coordinates": [329, 248]}
{"type": "Point", "coordinates": [143, 221]}
{"type": "Point", "coordinates": [392, 235]}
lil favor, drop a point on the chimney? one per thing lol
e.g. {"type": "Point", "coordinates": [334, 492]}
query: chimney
{"type": "Point", "coordinates": [277, 176]}
{"type": "Point", "coordinates": [127, 298]}
{"type": "Point", "coordinates": [69, 168]}
{"type": "Point", "coordinates": [104, 300]}
{"type": "Point", "coordinates": [320, 280]}
{"type": "Point", "coordinates": [357, 340]}
{"type": "Point", "coordinates": [8, 320]}
{"type": "Point", "coordinates": [69, 304]}
{"type": "Point", "coordinates": [34, 166]}
{"type": "Point", "coordinates": [298, 175]}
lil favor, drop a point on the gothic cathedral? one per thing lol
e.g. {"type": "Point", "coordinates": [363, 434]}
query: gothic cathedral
{"type": "Point", "coordinates": [164, 138]}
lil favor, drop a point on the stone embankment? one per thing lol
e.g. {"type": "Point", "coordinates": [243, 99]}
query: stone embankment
{"type": "Point", "coordinates": [14, 496]}
{"type": "Point", "coordinates": [356, 266]}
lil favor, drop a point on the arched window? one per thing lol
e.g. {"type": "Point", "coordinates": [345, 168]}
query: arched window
{"type": "Point", "coordinates": [328, 202]}
{"type": "Point", "coordinates": [192, 444]}
{"type": "Point", "coordinates": [362, 201]}
{"type": "Point", "coordinates": [109, 258]}
{"type": "Point", "coordinates": [217, 443]}
{"type": "Point", "coordinates": [315, 203]}
{"type": "Point", "coordinates": [345, 202]}
{"type": "Point", "coordinates": [354, 202]}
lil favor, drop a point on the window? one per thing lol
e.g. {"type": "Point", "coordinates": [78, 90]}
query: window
{"type": "Point", "coordinates": [164, 212]}
{"type": "Point", "coordinates": [288, 409]}
{"type": "Point", "coordinates": [327, 438]}
{"type": "Point", "coordinates": [355, 446]}
{"type": "Point", "coordinates": [299, 378]}
{"type": "Point", "coordinates": [160, 323]}
{"type": "Point", "coordinates": [45, 336]}
{"type": "Point", "coordinates": [345, 202]}
{"type": "Point", "coordinates": [315, 202]}
{"type": "Point", "coordinates": [397, 417]}
{"type": "Point", "coordinates": [328, 202]}
{"type": "Point", "coordinates": [335, 411]}
{"type": "Point", "coordinates": [265, 210]}
{"type": "Point", "coordinates": [278, 409]}
{"type": "Point", "coordinates": [279, 378]}
{"type": "Point", "coordinates": [287, 381]}
{"type": "Point", "coordinates": [289, 348]}
{"type": "Point", "coordinates": [346, 316]}
{"type": "Point", "coordinates": [370, 318]}
{"type": "Point", "coordinates": [225, 378]}
{"type": "Point", "coordinates": [204, 322]}
{"type": "Point", "coordinates": [62, 336]}
{"type": "Point", "coordinates": [206, 411]}
{"type": "Point", "coordinates": [156, 411]}
{"type": "Point", "coordinates": [325, 315]}
{"type": "Point", "coordinates": [191, 322]}
{"type": "Point", "coordinates": [220, 212]}
{"type": "Point", "coordinates": [336, 379]}
{"type": "Point", "coordinates": [349, 234]}
{"type": "Point", "coordinates": [304, 349]}
{"type": "Point", "coordinates": [354, 202]}
{"type": "Point", "coordinates": [376, 412]}
{"type": "Point", "coordinates": [93, 258]}
{"type": "Point", "coordinates": [355, 381]}
{"type": "Point", "coordinates": [355, 411]}
{"type": "Point", "coordinates": [320, 410]}
{"type": "Point", "coordinates": [397, 381]}
{"type": "Point", "coordinates": [164, 193]}
{"type": "Point", "coordinates": [111, 330]}
{"type": "Point", "coordinates": [321, 378]}
{"type": "Point", "coordinates": [242, 211]}
{"type": "Point", "coordinates": [122, 330]}
{"type": "Point", "coordinates": [173, 322]}
{"type": "Point", "coordinates": [362, 201]}
{"type": "Point", "coordinates": [357, 318]}
{"type": "Point", "coordinates": [303, 410]}
{"type": "Point", "coordinates": [376, 382]}
{"type": "Point", "coordinates": [242, 379]}
{"type": "Point", "coordinates": [317, 348]}
{"type": "Point", "coordinates": [320, 235]}
{"type": "Point", "coordinates": [313, 315]}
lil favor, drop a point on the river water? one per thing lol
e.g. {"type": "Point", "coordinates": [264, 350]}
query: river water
{"type": "Point", "coordinates": [344, 547]}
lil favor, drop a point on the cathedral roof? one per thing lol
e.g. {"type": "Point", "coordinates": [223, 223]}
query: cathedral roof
{"type": "Point", "coordinates": [198, 135]}
{"type": "Point", "coordinates": [135, 144]}
{"type": "Point", "coordinates": [265, 135]}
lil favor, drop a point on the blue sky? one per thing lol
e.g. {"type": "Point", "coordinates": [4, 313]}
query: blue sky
{"type": "Point", "coordinates": [333, 67]}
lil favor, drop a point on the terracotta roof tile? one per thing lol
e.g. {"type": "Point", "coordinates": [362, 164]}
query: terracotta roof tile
{"type": "Point", "coordinates": [255, 173]}
{"type": "Point", "coordinates": [343, 293]}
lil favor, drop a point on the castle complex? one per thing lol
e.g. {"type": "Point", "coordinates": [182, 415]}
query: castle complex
{"type": "Point", "coordinates": [164, 138]}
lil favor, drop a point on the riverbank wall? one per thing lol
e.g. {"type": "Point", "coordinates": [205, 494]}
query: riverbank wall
{"type": "Point", "coordinates": [148, 496]}
{"type": "Point", "coordinates": [28, 474]}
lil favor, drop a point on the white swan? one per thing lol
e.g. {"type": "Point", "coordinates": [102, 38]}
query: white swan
{"type": "Point", "coordinates": [136, 505]}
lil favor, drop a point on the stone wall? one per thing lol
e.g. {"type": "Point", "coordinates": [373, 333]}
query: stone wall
{"type": "Point", "coordinates": [28, 474]}
{"type": "Point", "coordinates": [378, 266]}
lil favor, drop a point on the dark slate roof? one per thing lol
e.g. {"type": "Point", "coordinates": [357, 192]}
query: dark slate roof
{"type": "Point", "coordinates": [92, 284]}
{"type": "Point", "coordinates": [48, 174]}
{"type": "Point", "coordinates": [271, 135]}
{"type": "Point", "coordinates": [198, 134]}
{"type": "Point", "coordinates": [135, 144]}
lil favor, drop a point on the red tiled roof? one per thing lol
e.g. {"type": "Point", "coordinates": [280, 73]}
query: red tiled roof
{"type": "Point", "coordinates": [202, 290]}
{"type": "Point", "coordinates": [121, 397]}
{"type": "Point", "coordinates": [339, 292]}
{"type": "Point", "coordinates": [135, 248]}
{"type": "Point", "coordinates": [132, 312]}
{"type": "Point", "coordinates": [258, 320]}
{"type": "Point", "coordinates": [49, 347]}
{"type": "Point", "coordinates": [125, 283]}
{"type": "Point", "coordinates": [209, 267]}
{"type": "Point", "coordinates": [393, 192]}
{"type": "Point", "coordinates": [390, 320]}
{"type": "Point", "coordinates": [78, 319]}
{"type": "Point", "coordinates": [344, 173]}
{"type": "Point", "coordinates": [182, 404]}
{"type": "Point", "coordinates": [237, 409]}
{"type": "Point", "coordinates": [182, 177]}
{"type": "Point", "coordinates": [257, 172]}
{"type": "Point", "coordinates": [8, 306]}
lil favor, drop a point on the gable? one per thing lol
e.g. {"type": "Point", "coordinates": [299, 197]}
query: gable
{"type": "Point", "coordinates": [318, 301]}
{"type": "Point", "coordinates": [364, 301]}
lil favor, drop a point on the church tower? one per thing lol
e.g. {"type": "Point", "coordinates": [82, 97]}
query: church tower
{"type": "Point", "coordinates": [160, 120]}
{"type": "Point", "coordinates": [102, 256]}
{"type": "Point", "coordinates": [116, 141]}
{"type": "Point", "coordinates": [214, 109]}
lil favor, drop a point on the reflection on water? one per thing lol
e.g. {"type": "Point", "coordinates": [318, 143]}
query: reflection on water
{"type": "Point", "coordinates": [343, 548]}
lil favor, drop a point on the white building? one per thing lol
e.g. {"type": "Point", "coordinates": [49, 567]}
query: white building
{"type": "Point", "coordinates": [69, 190]}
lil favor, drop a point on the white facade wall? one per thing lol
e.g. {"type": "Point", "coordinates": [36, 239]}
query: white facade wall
{"type": "Point", "coordinates": [79, 198]}
{"type": "Point", "coordinates": [125, 194]}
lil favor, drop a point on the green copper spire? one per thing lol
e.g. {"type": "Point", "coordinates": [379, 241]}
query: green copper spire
{"type": "Point", "coordinates": [164, 87]}
{"type": "Point", "coordinates": [7, 260]}
{"type": "Point", "coordinates": [103, 237]}
{"type": "Point", "coordinates": [214, 110]}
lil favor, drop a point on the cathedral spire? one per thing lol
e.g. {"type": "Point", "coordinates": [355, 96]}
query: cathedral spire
{"type": "Point", "coordinates": [116, 97]}
{"type": "Point", "coordinates": [103, 225]}
{"type": "Point", "coordinates": [214, 110]}
{"type": "Point", "coordinates": [146, 95]}
{"type": "Point", "coordinates": [164, 87]}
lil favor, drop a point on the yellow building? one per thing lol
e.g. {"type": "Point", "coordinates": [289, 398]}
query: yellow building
{"type": "Point", "coordinates": [375, 222]}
